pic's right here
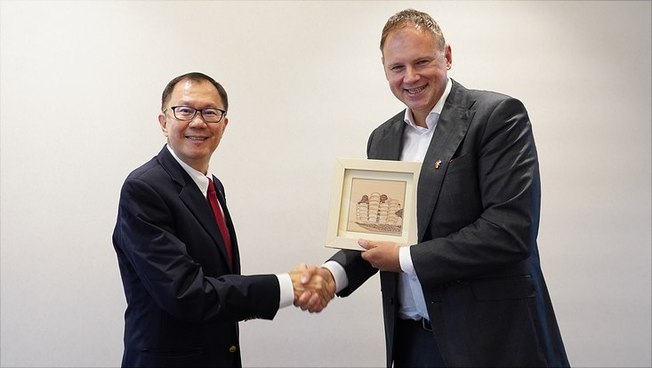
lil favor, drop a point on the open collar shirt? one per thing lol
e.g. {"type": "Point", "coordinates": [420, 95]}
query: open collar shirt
{"type": "Point", "coordinates": [416, 140]}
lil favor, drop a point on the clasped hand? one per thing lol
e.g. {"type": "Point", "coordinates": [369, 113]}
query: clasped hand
{"type": "Point", "coordinates": [313, 287]}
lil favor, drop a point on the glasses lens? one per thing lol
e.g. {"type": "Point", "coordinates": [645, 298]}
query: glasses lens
{"type": "Point", "coordinates": [184, 112]}
{"type": "Point", "coordinates": [212, 115]}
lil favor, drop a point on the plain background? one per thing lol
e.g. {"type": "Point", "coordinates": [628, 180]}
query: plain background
{"type": "Point", "coordinates": [80, 93]}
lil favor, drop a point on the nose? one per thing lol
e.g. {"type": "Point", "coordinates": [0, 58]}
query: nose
{"type": "Point", "coordinates": [198, 120]}
{"type": "Point", "coordinates": [411, 75]}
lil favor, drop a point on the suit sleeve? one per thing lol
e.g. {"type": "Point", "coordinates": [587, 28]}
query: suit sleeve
{"type": "Point", "coordinates": [486, 218]}
{"type": "Point", "coordinates": [155, 262]}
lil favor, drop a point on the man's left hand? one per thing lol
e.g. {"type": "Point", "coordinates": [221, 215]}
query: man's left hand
{"type": "Point", "coordinates": [381, 254]}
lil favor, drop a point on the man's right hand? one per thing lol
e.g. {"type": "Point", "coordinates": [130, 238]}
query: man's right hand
{"type": "Point", "coordinates": [314, 287]}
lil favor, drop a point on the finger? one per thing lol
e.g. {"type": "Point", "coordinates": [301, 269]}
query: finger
{"type": "Point", "coordinates": [318, 306]}
{"type": "Point", "coordinates": [308, 272]}
{"type": "Point", "coordinates": [365, 256]}
{"type": "Point", "coordinates": [324, 296]}
{"type": "Point", "coordinates": [304, 299]}
{"type": "Point", "coordinates": [369, 257]}
{"type": "Point", "coordinates": [305, 277]}
{"type": "Point", "coordinates": [311, 303]}
{"type": "Point", "coordinates": [367, 244]}
{"type": "Point", "coordinates": [314, 299]}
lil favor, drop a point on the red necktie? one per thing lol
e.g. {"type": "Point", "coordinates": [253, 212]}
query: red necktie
{"type": "Point", "coordinates": [219, 218]}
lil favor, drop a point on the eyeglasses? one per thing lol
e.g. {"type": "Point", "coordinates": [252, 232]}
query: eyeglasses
{"type": "Point", "coordinates": [187, 113]}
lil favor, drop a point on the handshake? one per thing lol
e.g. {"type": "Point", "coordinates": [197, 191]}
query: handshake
{"type": "Point", "coordinates": [313, 287]}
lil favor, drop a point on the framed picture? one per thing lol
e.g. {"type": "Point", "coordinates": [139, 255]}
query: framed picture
{"type": "Point", "coordinates": [373, 200]}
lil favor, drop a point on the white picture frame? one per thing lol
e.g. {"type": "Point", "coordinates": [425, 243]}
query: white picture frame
{"type": "Point", "coordinates": [385, 189]}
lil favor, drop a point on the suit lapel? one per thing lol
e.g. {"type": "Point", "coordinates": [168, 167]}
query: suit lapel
{"type": "Point", "coordinates": [391, 141]}
{"type": "Point", "coordinates": [451, 129]}
{"type": "Point", "coordinates": [191, 196]}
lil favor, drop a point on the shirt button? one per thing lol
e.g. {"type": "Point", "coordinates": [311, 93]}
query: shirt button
{"type": "Point", "coordinates": [232, 349]}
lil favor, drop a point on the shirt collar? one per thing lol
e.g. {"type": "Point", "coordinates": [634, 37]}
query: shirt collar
{"type": "Point", "coordinates": [197, 176]}
{"type": "Point", "coordinates": [433, 116]}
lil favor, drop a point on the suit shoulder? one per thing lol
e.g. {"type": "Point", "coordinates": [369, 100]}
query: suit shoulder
{"type": "Point", "coordinates": [398, 118]}
{"type": "Point", "coordinates": [149, 169]}
{"type": "Point", "coordinates": [460, 93]}
{"type": "Point", "coordinates": [151, 174]}
{"type": "Point", "coordinates": [485, 98]}
{"type": "Point", "coordinates": [488, 96]}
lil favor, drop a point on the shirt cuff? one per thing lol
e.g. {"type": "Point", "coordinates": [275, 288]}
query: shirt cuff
{"type": "Point", "coordinates": [286, 297]}
{"type": "Point", "coordinates": [405, 259]}
{"type": "Point", "coordinates": [341, 280]}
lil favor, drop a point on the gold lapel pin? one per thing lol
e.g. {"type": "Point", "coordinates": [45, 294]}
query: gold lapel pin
{"type": "Point", "coordinates": [437, 164]}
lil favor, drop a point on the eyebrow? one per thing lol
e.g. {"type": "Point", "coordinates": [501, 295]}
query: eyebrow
{"type": "Point", "coordinates": [189, 104]}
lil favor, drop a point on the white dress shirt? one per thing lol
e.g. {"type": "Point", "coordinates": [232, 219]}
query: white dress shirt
{"type": "Point", "coordinates": [416, 140]}
{"type": "Point", "coordinates": [285, 282]}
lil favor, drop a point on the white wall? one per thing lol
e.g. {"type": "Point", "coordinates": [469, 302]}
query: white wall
{"type": "Point", "coordinates": [80, 89]}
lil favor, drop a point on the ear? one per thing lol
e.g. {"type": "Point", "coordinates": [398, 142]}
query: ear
{"type": "Point", "coordinates": [163, 123]}
{"type": "Point", "coordinates": [382, 61]}
{"type": "Point", "coordinates": [226, 122]}
{"type": "Point", "coordinates": [448, 53]}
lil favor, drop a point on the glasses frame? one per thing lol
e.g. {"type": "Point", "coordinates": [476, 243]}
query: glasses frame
{"type": "Point", "coordinates": [201, 111]}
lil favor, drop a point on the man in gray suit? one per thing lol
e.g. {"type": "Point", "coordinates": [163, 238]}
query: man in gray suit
{"type": "Point", "coordinates": [471, 291]}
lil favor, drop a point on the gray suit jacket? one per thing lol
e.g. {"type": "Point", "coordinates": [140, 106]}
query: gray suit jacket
{"type": "Point", "coordinates": [478, 216]}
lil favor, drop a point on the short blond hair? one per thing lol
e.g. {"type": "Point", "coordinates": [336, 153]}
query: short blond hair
{"type": "Point", "coordinates": [419, 20]}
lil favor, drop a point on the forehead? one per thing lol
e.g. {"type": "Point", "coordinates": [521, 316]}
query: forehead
{"type": "Point", "coordinates": [199, 92]}
{"type": "Point", "coordinates": [409, 42]}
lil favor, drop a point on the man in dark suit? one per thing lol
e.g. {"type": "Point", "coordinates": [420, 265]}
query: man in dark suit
{"type": "Point", "coordinates": [177, 249]}
{"type": "Point", "coordinates": [471, 291]}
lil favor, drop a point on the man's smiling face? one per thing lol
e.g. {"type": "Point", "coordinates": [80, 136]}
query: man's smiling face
{"type": "Point", "coordinates": [193, 141]}
{"type": "Point", "coordinates": [416, 69]}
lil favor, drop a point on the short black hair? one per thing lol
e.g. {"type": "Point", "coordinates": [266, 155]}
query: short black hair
{"type": "Point", "coordinates": [197, 77]}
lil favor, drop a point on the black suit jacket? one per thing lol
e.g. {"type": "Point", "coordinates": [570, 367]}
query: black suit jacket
{"type": "Point", "coordinates": [183, 300]}
{"type": "Point", "coordinates": [478, 216]}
